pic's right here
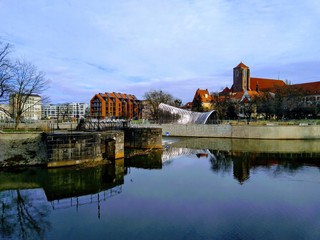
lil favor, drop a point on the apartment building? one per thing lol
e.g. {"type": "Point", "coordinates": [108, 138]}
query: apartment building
{"type": "Point", "coordinates": [65, 111]}
{"type": "Point", "coordinates": [30, 105]}
{"type": "Point", "coordinates": [111, 105]}
{"type": "Point", "coordinates": [3, 115]}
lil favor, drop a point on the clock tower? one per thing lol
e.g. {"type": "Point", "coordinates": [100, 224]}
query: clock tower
{"type": "Point", "coordinates": [241, 78]}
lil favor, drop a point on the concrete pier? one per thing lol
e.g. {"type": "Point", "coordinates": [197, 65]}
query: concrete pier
{"type": "Point", "coordinates": [70, 149]}
{"type": "Point", "coordinates": [143, 138]}
{"type": "Point", "coordinates": [66, 148]}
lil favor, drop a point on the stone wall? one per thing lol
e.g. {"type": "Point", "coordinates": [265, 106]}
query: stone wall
{"type": "Point", "coordinates": [143, 138]}
{"type": "Point", "coordinates": [251, 145]}
{"type": "Point", "coordinates": [22, 149]}
{"type": "Point", "coordinates": [60, 149]}
{"type": "Point", "coordinates": [243, 131]}
{"type": "Point", "coordinates": [71, 149]}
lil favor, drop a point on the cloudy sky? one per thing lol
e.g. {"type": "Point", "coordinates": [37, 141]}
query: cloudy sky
{"type": "Point", "coordinates": [133, 46]}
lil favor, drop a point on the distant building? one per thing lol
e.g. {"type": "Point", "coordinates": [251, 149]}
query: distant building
{"type": "Point", "coordinates": [65, 111]}
{"type": "Point", "coordinates": [31, 107]}
{"type": "Point", "coordinates": [242, 82]}
{"type": "Point", "coordinates": [245, 88]}
{"type": "Point", "coordinates": [187, 106]}
{"type": "Point", "coordinates": [111, 105]}
{"type": "Point", "coordinates": [4, 116]}
{"type": "Point", "coordinates": [311, 91]}
{"type": "Point", "coordinates": [202, 101]}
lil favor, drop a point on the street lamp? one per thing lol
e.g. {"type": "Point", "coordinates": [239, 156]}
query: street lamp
{"type": "Point", "coordinates": [77, 113]}
{"type": "Point", "coordinates": [58, 113]}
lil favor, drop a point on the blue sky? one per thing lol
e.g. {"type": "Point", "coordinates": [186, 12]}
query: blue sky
{"type": "Point", "coordinates": [134, 46]}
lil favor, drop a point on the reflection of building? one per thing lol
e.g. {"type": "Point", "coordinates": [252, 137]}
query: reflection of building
{"type": "Point", "coordinates": [241, 170]}
{"type": "Point", "coordinates": [64, 110]}
{"type": "Point", "coordinates": [115, 105]}
{"type": "Point", "coordinates": [30, 105]}
{"type": "Point", "coordinates": [64, 183]}
{"type": "Point", "coordinates": [173, 152]}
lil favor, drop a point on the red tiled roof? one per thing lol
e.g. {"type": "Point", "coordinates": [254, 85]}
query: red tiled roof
{"type": "Point", "coordinates": [242, 65]}
{"type": "Point", "coordinates": [239, 95]}
{"type": "Point", "coordinates": [265, 83]}
{"type": "Point", "coordinates": [226, 90]}
{"type": "Point", "coordinates": [202, 94]}
{"type": "Point", "coordinates": [310, 88]}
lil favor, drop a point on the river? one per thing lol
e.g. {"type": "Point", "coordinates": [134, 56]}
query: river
{"type": "Point", "coordinates": [193, 189]}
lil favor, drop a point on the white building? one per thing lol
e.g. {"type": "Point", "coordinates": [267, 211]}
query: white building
{"type": "Point", "coordinates": [3, 115]}
{"type": "Point", "coordinates": [65, 111]}
{"type": "Point", "coordinates": [31, 109]}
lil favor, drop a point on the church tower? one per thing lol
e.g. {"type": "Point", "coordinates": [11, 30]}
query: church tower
{"type": "Point", "coordinates": [241, 78]}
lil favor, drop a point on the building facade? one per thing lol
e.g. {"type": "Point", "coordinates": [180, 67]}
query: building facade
{"type": "Point", "coordinates": [245, 88]}
{"type": "Point", "coordinates": [29, 105]}
{"type": "Point", "coordinates": [65, 111]}
{"type": "Point", "coordinates": [202, 101]}
{"type": "Point", "coordinates": [111, 105]}
{"type": "Point", "coordinates": [243, 82]}
{"type": "Point", "coordinates": [3, 115]}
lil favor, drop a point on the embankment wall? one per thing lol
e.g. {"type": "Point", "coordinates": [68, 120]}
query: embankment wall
{"type": "Point", "coordinates": [22, 149]}
{"type": "Point", "coordinates": [242, 131]}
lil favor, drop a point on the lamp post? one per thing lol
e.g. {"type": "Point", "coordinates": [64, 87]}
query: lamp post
{"type": "Point", "coordinates": [58, 113]}
{"type": "Point", "coordinates": [77, 113]}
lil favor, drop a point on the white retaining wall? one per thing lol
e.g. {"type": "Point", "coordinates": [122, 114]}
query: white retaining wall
{"type": "Point", "coordinates": [242, 131]}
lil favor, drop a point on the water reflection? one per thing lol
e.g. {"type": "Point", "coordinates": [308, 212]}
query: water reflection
{"type": "Point", "coordinates": [23, 215]}
{"type": "Point", "coordinates": [25, 212]}
{"type": "Point", "coordinates": [241, 156]}
{"type": "Point", "coordinates": [29, 197]}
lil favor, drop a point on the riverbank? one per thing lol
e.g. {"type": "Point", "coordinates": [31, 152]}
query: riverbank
{"type": "Point", "coordinates": [66, 148]}
{"type": "Point", "coordinates": [248, 131]}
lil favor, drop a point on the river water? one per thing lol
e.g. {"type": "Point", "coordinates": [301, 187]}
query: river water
{"type": "Point", "coordinates": [193, 189]}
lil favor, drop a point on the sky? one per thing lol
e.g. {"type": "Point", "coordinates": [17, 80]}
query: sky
{"type": "Point", "coordinates": [135, 46]}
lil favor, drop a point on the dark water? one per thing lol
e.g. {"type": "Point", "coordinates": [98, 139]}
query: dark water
{"type": "Point", "coordinates": [195, 189]}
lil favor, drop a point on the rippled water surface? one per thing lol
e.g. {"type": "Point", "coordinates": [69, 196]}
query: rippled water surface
{"type": "Point", "coordinates": [183, 193]}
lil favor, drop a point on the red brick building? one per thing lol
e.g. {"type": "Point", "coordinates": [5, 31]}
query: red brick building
{"type": "Point", "coordinates": [245, 87]}
{"type": "Point", "coordinates": [115, 106]}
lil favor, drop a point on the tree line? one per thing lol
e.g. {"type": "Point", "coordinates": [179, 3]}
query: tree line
{"type": "Point", "coordinates": [20, 79]}
{"type": "Point", "coordinates": [287, 102]}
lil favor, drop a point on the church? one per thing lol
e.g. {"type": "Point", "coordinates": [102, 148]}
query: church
{"type": "Point", "coordinates": [244, 86]}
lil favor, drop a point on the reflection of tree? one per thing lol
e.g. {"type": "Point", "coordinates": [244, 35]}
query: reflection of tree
{"type": "Point", "coordinates": [23, 217]}
{"type": "Point", "coordinates": [222, 163]}
{"type": "Point", "coordinates": [277, 163]}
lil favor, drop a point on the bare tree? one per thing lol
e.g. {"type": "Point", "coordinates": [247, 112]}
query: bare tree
{"type": "Point", "coordinates": [5, 73]}
{"type": "Point", "coordinates": [27, 81]}
{"type": "Point", "coordinates": [155, 97]}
